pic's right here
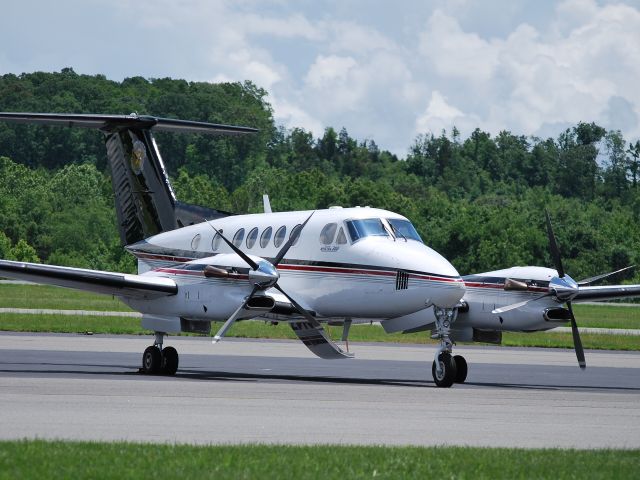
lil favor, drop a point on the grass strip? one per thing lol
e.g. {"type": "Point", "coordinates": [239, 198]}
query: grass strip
{"type": "Point", "coordinates": [17, 322]}
{"type": "Point", "coordinates": [43, 459]}
{"type": "Point", "coordinates": [260, 329]}
{"type": "Point", "coordinates": [48, 296]}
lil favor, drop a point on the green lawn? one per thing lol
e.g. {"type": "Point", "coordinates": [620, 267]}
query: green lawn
{"type": "Point", "coordinates": [79, 460]}
{"type": "Point", "coordinates": [36, 296]}
{"type": "Point", "coordinates": [47, 296]}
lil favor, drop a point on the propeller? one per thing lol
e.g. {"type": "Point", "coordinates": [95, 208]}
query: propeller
{"type": "Point", "coordinates": [557, 258]}
{"type": "Point", "coordinates": [264, 275]}
{"type": "Point", "coordinates": [563, 288]}
{"type": "Point", "coordinates": [590, 280]}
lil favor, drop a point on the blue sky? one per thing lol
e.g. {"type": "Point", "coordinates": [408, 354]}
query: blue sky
{"type": "Point", "coordinates": [385, 70]}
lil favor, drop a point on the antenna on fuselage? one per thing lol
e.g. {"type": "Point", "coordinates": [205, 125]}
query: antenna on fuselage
{"type": "Point", "coordinates": [266, 203]}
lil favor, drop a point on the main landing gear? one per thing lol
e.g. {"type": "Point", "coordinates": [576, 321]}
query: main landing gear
{"type": "Point", "coordinates": [447, 369]}
{"type": "Point", "coordinates": [157, 360]}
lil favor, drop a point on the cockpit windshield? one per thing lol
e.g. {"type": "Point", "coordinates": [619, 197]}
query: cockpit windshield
{"type": "Point", "coordinates": [404, 229]}
{"type": "Point", "coordinates": [368, 227]}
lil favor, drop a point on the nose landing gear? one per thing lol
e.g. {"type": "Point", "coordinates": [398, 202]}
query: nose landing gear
{"type": "Point", "coordinates": [446, 368]}
{"type": "Point", "coordinates": [157, 360]}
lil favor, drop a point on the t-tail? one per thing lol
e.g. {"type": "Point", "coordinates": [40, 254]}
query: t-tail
{"type": "Point", "coordinates": [145, 201]}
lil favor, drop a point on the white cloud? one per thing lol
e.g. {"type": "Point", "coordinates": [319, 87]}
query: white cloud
{"type": "Point", "coordinates": [440, 115]}
{"type": "Point", "coordinates": [356, 39]}
{"type": "Point", "coordinates": [530, 79]}
{"type": "Point", "coordinates": [455, 52]}
{"type": "Point", "coordinates": [327, 72]}
{"type": "Point", "coordinates": [382, 72]}
{"type": "Point", "coordinates": [293, 116]}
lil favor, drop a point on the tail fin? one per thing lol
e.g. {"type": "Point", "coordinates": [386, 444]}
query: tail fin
{"type": "Point", "coordinates": [145, 201]}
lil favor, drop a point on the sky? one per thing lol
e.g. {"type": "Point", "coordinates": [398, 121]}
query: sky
{"type": "Point", "coordinates": [386, 70]}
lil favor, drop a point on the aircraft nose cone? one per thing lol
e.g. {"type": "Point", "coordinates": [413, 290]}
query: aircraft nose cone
{"type": "Point", "coordinates": [451, 287]}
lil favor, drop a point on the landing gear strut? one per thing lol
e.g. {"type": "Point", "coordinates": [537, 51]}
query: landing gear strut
{"type": "Point", "coordinates": [158, 360]}
{"type": "Point", "coordinates": [446, 368]}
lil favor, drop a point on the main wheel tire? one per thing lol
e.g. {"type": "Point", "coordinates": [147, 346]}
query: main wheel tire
{"type": "Point", "coordinates": [169, 361]}
{"type": "Point", "coordinates": [151, 360]}
{"type": "Point", "coordinates": [461, 369]}
{"type": "Point", "coordinates": [448, 375]}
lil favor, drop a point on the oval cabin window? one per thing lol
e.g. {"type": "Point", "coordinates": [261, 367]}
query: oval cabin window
{"type": "Point", "coordinates": [215, 243]}
{"type": "Point", "coordinates": [279, 236]}
{"type": "Point", "coordinates": [252, 237]}
{"type": "Point", "coordinates": [265, 237]}
{"type": "Point", "coordinates": [295, 234]}
{"type": "Point", "coordinates": [238, 237]}
{"type": "Point", "coordinates": [195, 242]}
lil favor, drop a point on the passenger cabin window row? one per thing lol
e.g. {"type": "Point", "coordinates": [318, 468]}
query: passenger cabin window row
{"type": "Point", "coordinates": [331, 233]}
{"type": "Point", "coordinates": [252, 237]}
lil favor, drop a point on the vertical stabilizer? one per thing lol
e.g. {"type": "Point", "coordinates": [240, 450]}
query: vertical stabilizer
{"type": "Point", "coordinates": [145, 202]}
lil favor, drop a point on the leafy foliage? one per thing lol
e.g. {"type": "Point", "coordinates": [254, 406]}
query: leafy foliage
{"type": "Point", "coordinates": [479, 200]}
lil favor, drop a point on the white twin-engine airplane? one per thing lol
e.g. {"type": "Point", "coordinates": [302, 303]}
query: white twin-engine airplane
{"type": "Point", "coordinates": [340, 265]}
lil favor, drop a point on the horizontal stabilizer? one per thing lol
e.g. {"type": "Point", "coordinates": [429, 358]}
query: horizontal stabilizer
{"type": "Point", "coordinates": [109, 123]}
{"type": "Point", "coordinates": [97, 281]}
{"type": "Point", "coordinates": [317, 340]}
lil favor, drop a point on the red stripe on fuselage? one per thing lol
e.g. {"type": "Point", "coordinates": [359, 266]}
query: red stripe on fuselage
{"type": "Point", "coordinates": [313, 269]}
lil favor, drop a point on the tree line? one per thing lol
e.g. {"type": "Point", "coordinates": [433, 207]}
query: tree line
{"type": "Point", "coordinates": [478, 200]}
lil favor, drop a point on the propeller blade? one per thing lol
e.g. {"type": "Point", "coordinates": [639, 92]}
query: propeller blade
{"type": "Point", "coordinates": [513, 306]}
{"type": "Point", "coordinates": [310, 318]}
{"type": "Point", "coordinates": [589, 280]}
{"type": "Point", "coordinates": [239, 252]}
{"type": "Point", "coordinates": [283, 251]}
{"type": "Point", "coordinates": [553, 247]}
{"type": "Point", "coordinates": [577, 343]}
{"type": "Point", "coordinates": [218, 336]}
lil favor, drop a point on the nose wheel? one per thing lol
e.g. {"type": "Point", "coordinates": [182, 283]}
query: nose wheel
{"type": "Point", "coordinates": [444, 371]}
{"type": "Point", "coordinates": [447, 369]}
{"type": "Point", "coordinates": [157, 360]}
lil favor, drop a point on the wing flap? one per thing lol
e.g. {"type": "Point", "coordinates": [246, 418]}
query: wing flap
{"type": "Point", "coordinates": [96, 281]}
{"type": "Point", "coordinates": [316, 339]}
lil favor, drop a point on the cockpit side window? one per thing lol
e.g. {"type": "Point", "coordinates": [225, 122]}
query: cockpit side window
{"type": "Point", "coordinates": [368, 227]}
{"type": "Point", "coordinates": [328, 233]}
{"type": "Point", "coordinates": [341, 239]}
{"type": "Point", "coordinates": [404, 229]}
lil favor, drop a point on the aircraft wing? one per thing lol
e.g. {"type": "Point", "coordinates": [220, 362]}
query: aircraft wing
{"type": "Point", "coordinates": [109, 283]}
{"type": "Point", "coordinates": [606, 292]}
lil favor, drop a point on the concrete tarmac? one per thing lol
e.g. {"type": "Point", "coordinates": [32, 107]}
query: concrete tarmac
{"type": "Point", "coordinates": [245, 391]}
